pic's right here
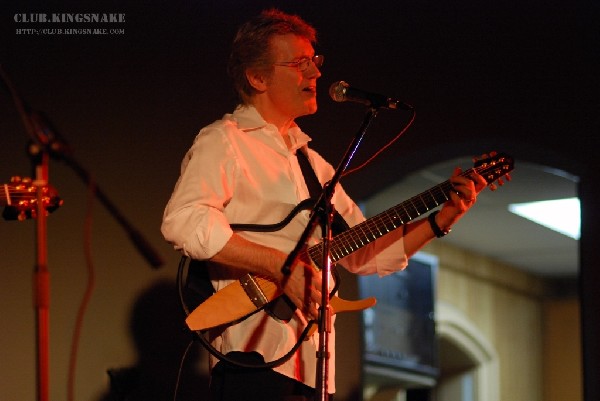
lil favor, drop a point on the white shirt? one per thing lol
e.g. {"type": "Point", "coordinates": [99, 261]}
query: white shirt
{"type": "Point", "coordinates": [239, 170]}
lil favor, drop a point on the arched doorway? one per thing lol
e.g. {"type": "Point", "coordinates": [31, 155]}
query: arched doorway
{"type": "Point", "coordinates": [468, 362]}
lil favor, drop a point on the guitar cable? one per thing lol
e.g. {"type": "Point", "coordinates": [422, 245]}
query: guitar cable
{"type": "Point", "coordinates": [200, 334]}
{"type": "Point", "coordinates": [384, 147]}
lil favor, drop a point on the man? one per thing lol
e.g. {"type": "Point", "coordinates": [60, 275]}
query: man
{"type": "Point", "coordinates": [245, 168]}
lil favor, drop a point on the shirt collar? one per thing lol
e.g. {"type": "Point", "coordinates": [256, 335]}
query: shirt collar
{"type": "Point", "coordinates": [249, 119]}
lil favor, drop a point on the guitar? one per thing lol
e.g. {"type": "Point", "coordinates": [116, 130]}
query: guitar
{"type": "Point", "coordinates": [20, 199]}
{"type": "Point", "coordinates": [246, 295]}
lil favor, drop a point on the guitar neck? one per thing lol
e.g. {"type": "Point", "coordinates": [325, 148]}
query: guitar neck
{"type": "Point", "coordinates": [377, 226]}
{"type": "Point", "coordinates": [351, 240]}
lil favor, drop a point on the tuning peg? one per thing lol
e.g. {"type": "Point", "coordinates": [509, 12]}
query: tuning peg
{"type": "Point", "coordinates": [485, 156]}
{"type": "Point", "coordinates": [22, 216]}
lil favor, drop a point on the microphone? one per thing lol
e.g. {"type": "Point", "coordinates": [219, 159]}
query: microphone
{"type": "Point", "coordinates": [47, 135]}
{"type": "Point", "coordinates": [341, 91]}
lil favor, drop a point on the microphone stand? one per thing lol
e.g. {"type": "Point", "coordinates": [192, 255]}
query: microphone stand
{"type": "Point", "coordinates": [44, 143]}
{"type": "Point", "coordinates": [40, 154]}
{"type": "Point", "coordinates": [323, 212]}
{"type": "Point", "coordinates": [42, 281]}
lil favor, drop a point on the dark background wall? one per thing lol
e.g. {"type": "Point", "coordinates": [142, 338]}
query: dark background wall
{"type": "Point", "coordinates": [516, 76]}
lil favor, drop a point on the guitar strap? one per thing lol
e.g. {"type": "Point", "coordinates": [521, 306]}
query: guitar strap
{"type": "Point", "coordinates": [310, 178]}
{"type": "Point", "coordinates": [282, 308]}
{"type": "Point", "coordinates": [314, 189]}
{"type": "Point", "coordinates": [198, 281]}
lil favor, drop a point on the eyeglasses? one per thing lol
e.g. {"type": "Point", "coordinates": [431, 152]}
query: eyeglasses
{"type": "Point", "coordinates": [303, 63]}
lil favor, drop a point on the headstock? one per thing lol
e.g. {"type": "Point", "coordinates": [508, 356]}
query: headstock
{"type": "Point", "coordinates": [20, 199]}
{"type": "Point", "coordinates": [495, 167]}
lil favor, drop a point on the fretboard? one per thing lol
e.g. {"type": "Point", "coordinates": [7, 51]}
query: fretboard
{"type": "Point", "coordinates": [342, 245]}
{"type": "Point", "coordinates": [377, 226]}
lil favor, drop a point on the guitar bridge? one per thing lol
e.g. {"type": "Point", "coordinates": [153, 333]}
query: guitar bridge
{"type": "Point", "coordinates": [253, 290]}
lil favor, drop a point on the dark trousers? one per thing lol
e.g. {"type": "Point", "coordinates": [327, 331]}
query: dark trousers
{"type": "Point", "coordinates": [233, 383]}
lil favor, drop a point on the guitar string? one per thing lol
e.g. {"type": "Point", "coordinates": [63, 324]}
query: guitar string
{"type": "Point", "coordinates": [371, 229]}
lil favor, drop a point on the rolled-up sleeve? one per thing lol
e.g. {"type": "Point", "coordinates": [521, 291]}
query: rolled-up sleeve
{"type": "Point", "coordinates": [193, 220]}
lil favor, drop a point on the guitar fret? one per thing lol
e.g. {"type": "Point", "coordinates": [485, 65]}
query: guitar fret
{"type": "Point", "coordinates": [383, 229]}
{"type": "Point", "coordinates": [416, 210]}
{"type": "Point", "coordinates": [391, 222]}
{"type": "Point", "coordinates": [365, 237]}
{"type": "Point", "coordinates": [368, 231]}
{"type": "Point", "coordinates": [344, 252]}
{"type": "Point", "coordinates": [433, 198]}
{"type": "Point", "coordinates": [398, 217]}
{"type": "Point", "coordinates": [424, 207]}
{"type": "Point", "coordinates": [315, 254]}
{"type": "Point", "coordinates": [360, 239]}
{"type": "Point", "coordinates": [372, 236]}
{"type": "Point", "coordinates": [407, 213]}
{"type": "Point", "coordinates": [393, 226]}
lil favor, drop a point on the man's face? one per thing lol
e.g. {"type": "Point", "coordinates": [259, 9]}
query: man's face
{"type": "Point", "coordinates": [290, 92]}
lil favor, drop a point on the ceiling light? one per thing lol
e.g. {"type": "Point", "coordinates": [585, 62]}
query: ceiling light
{"type": "Point", "coordinates": [560, 215]}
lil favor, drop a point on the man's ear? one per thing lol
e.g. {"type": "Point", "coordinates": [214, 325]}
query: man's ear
{"type": "Point", "coordinates": [257, 79]}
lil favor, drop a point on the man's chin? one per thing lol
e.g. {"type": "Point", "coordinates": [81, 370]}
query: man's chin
{"type": "Point", "coordinates": [312, 108]}
{"type": "Point", "coordinates": [309, 109]}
